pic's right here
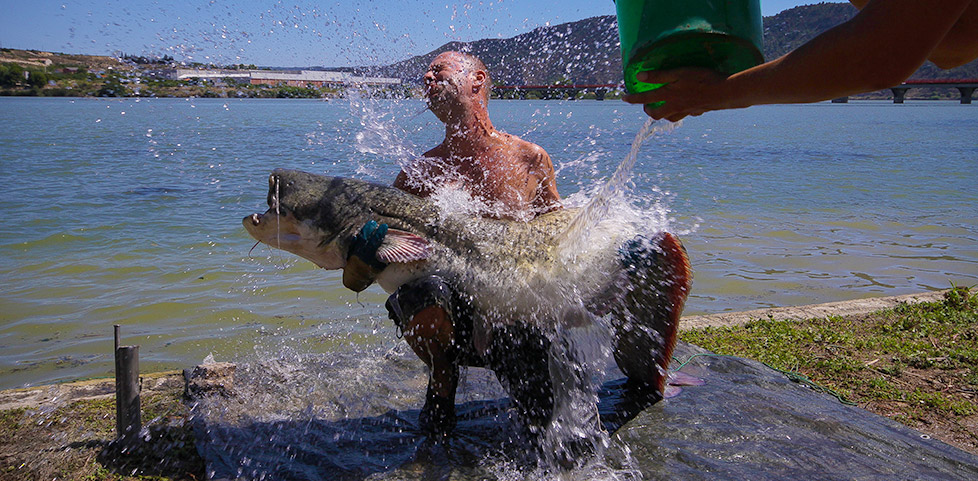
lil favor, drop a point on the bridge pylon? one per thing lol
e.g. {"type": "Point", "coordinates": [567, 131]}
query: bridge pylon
{"type": "Point", "coordinates": [899, 93]}
{"type": "Point", "coordinates": [966, 93]}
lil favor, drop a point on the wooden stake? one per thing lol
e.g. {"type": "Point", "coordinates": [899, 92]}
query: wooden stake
{"type": "Point", "coordinates": [128, 421]}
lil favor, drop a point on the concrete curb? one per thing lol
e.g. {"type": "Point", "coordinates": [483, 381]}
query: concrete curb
{"type": "Point", "coordinates": [56, 395]}
{"type": "Point", "coordinates": [854, 307]}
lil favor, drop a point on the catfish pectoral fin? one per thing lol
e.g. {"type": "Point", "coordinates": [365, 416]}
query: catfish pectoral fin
{"type": "Point", "coordinates": [403, 246]}
{"type": "Point", "coordinates": [357, 275]}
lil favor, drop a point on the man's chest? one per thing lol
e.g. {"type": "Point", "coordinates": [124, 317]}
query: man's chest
{"type": "Point", "coordinates": [497, 180]}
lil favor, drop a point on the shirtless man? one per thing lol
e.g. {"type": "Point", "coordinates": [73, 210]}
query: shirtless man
{"type": "Point", "coordinates": [514, 179]}
{"type": "Point", "coordinates": [885, 43]}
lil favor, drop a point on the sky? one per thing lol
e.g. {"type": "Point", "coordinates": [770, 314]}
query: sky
{"type": "Point", "coordinates": [283, 33]}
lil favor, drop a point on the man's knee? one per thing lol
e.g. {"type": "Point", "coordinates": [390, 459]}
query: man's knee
{"type": "Point", "coordinates": [431, 331]}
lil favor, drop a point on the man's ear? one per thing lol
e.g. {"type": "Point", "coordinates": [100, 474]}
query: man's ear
{"type": "Point", "coordinates": [479, 79]}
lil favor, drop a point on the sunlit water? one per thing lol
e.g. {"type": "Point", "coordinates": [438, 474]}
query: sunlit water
{"type": "Point", "coordinates": [128, 212]}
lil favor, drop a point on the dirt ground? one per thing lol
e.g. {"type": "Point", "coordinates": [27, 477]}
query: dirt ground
{"type": "Point", "coordinates": [960, 431]}
{"type": "Point", "coordinates": [67, 432]}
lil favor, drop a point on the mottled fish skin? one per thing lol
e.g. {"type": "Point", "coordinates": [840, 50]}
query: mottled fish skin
{"type": "Point", "coordinates": [337, 207]}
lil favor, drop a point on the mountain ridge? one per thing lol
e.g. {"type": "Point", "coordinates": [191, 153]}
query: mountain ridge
{"type": "Point", "coordinates": [587, 51]}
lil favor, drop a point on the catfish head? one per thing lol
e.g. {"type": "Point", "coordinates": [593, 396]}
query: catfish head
{"type": "Point", "coordinates": [318, 217]}
{"type": "Point", "coordinates": [297, 222]}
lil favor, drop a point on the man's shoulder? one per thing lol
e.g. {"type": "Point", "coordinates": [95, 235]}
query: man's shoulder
{"type": "Point", "coordinates": [535, 150]}
{"type": "Point", "coordinates": [437, 152]}
{"type": "Point", "coordinates": [525, 149]}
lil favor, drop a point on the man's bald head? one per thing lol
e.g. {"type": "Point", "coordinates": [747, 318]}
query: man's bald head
{"type": "Point", "coordinates": [470, 64]}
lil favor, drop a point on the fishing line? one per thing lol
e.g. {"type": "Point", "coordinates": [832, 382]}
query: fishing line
{"type": "Point", "coordinates": [278, 222]}
{"type": "Point", "coordinates": [426, 108]}
{"type": "Point", "coordinates": [358, 301]}
{"type": "Point", "coordinates": [278, 214]}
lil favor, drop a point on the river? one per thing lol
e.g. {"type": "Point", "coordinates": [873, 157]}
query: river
{"type": "Point", "coordinates": [129, 212]}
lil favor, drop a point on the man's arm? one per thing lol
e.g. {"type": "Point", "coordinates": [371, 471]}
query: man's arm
{"type": "Point", "coordinates": [880, 47]}
{"type": "Point", "coordinates": [959, 46]}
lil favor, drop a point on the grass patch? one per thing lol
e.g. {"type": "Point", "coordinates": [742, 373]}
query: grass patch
{"type": "Point", "coordinates": [74, 442]}
{"type": "Point", "coordinates": [916, 363]}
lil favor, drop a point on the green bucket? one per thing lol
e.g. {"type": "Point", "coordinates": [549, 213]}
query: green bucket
{"type": "Point", "coordinates": [664, 34]}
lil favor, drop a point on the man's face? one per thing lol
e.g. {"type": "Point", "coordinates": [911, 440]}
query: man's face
{"type": "Point", "coordinates": [445, 79]}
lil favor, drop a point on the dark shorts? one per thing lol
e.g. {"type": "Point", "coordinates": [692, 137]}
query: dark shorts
{"type": "Point", "coordinates": [518, 354]}
{"type": "Point", "coordinates": [418, 294]}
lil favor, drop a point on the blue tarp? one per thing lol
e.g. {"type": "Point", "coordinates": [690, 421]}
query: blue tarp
{"type": "Point", "coordinates": [747, 422]}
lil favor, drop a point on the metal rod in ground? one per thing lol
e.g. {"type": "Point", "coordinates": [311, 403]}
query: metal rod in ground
{"type": "Point", "coordinates": [128, 421]}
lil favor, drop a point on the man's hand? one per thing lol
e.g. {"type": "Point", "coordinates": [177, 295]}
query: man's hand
{"type": "Point", "coordinates": [879, 47]}
{"type": "Point", "coordinates": [366, 243]}
{"type": "Point", "coordinates": [687, 91]}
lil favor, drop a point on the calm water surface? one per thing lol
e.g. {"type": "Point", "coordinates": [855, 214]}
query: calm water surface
{"type": "Point", "coordinates": [129, 212]}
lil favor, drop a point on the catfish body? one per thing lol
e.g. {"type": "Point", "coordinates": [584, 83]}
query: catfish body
{"type": "Point", "coordinates": [512, 272]}
{"type": "Point", "coordinates": [511, 268]}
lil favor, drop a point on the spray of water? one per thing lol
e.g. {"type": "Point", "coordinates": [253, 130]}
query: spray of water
{"type": "Point", "coordinates": [611, 194]}
{"type": "Point", "coordinates": [573, 437]}
{"type": "Point", "coordinates": [382, 134]}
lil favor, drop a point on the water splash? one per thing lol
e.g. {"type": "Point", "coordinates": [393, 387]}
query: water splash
{"type": "Point", "coordinates": [571, 434]}
{"type": "Point", "coordinates": [453, 200]}
{"type": "Point", "coordinates": [612, 194]}
{"type": "Point", "coordinates": [574, 435]}
{"type": "Point", "coordinates": [382, 134]}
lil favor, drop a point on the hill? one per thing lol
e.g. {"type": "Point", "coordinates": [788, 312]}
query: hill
{"type": "Point", "coordinates": [37, 58]}
{"type": "Point", "coordinates": [581, 52]}
{"type": "Point", "coordinates": [587, 51]}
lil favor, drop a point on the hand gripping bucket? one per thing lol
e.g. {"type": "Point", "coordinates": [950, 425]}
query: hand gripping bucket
{"type": "Point", "coordinates": [664, 34]}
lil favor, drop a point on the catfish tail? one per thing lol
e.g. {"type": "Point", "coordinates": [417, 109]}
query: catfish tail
{"type": "Point", "coordinates": [655, 283]}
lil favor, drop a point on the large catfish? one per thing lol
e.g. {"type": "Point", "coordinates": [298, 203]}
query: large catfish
{"type": "Point", "coordinates": [513, 272]}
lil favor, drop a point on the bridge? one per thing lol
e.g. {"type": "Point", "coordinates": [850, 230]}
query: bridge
{"type": "Point", "coordinates": [965, 86]}
{"type": "Point", "coordinates": [556, 91]}
{"type": "Point", "coordinates": [571, 91]}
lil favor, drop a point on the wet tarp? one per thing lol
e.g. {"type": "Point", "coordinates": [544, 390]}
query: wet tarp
{"type": "Point", "coordinates": [747, 422]}
{"type": "Point", "coordinates": [751, 422]}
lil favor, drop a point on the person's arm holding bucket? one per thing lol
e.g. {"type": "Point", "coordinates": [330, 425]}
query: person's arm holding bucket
{"type": "Point", "coordinates": [878, 48]}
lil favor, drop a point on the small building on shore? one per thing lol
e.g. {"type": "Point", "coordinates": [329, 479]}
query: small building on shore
{"type": "Point", "coordinates": [292, 78]}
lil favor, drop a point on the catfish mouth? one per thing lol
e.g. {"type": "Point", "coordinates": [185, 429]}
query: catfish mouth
{"type": "Point", "coordinates": [275, 224]}
{"type": "Point", "coordinates": [263, 220]}
{"type": "Point", "coordinates": [285, 227]}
